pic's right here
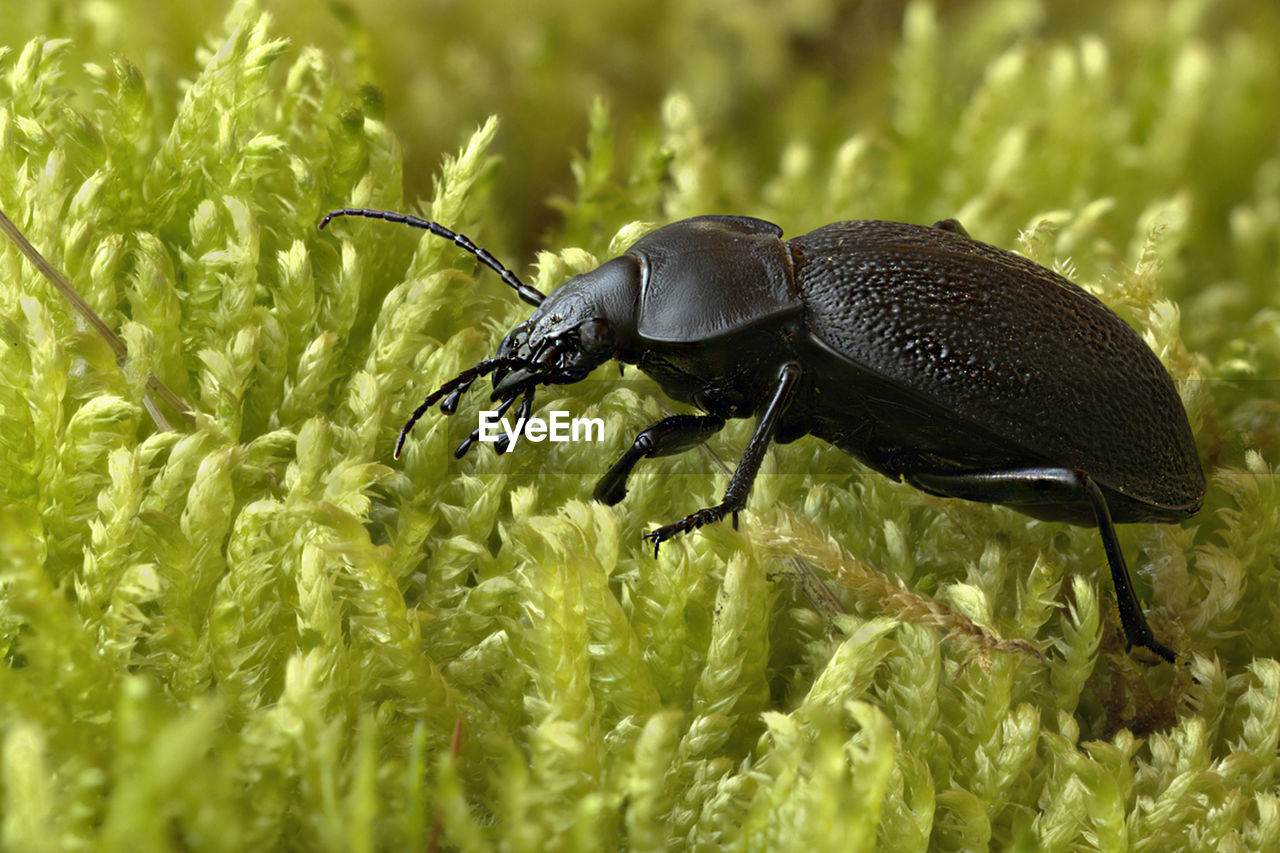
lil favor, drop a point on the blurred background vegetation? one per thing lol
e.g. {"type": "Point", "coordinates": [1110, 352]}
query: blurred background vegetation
{"type": "Point", "coordinates": [759, 74]}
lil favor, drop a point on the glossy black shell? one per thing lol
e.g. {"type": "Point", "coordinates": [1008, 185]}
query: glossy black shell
{"type": "Point", "coordinates": [937, 352]}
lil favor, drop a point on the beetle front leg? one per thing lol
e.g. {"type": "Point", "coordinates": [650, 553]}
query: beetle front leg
{"type": "Point", "coordinates": [735, 497]}
{"type": "Point", "coordinates": [667, 437]}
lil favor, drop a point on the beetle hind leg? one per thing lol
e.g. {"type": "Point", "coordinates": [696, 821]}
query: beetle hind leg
{"type": "Point", "coordinates": [1136, 630]}
{"type": "Point", "coordinates": [1025, 487]}
{"type": "Point", "coordinates": [735, 497]}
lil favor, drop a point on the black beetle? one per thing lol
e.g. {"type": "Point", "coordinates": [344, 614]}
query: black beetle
{"type": "Point", "coordinates": [960, 368]}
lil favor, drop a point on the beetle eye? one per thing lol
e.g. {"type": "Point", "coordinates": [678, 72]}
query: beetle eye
{"type": "Point", "coordinates": [512, 343]}
{"type": "Point", "coordinates": [596, 336]}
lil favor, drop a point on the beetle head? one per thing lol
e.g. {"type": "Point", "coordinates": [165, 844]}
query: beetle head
{"type": "Point", "coordinates": [585, 322]}
{"type": "Point", "coordinates": [571, 332]}
{"type": "Point", "coordinates": [582, 324]}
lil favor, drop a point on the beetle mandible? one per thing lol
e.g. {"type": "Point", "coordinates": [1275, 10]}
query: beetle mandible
{"type": "Point", "coordinates": [962, 369]}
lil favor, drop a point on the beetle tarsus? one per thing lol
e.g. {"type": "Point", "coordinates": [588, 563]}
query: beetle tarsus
{"type": "Point", "coordinates": [1157, 648]}
{"type": "Point", "coordinates": [709, 515]}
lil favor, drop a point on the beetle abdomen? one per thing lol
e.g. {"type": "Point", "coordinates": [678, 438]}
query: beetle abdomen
{"type": "Point", "coordinates": [1012, 347]}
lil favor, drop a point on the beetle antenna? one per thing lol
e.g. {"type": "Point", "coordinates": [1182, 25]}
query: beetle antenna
{"type": "Point", "coordinates": [465, 378]}
{"type": "Point", "coordinates": [524, 291]}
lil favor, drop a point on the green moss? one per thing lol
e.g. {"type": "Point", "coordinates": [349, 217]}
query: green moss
{"type": "Point", "coordinates": [257, 630]}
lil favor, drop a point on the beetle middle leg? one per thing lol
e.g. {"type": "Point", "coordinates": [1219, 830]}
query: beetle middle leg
{"type": "Point", "coordinates": [667, 437]}
{"type": "Point", "coordinates": [735, 497]}
{"type": "Point", "coordinates": [1028, 486]}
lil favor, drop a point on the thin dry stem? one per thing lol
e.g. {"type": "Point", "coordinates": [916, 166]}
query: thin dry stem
{"type": "Point", "coordinates": [800, 539]}
{"type": "Point", "coordinates": [117, 344]}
